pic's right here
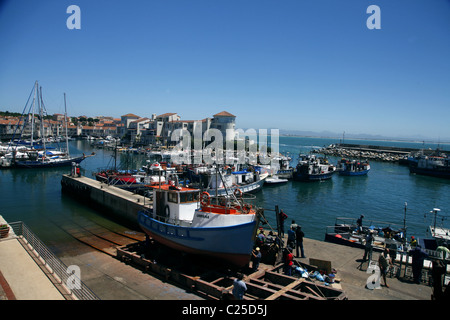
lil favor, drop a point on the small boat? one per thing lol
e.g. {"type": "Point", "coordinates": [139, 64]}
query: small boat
{"type": "Point", "coordinates": [353, 167]}
{"type": "Point", "coordinates": [312, 168]}
{"type": "Point", "coordinates": [345, 231]}
{"type": "Point", "coordinates": [185, 220]}
{"type": "Point", "coordinates": [274, 180]}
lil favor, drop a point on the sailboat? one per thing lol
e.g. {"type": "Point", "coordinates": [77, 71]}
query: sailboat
{"type": "Point", "coordinates": [45, 158]}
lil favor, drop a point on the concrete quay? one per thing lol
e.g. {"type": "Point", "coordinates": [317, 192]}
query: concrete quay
{"type": "Point", "coordinates": [117, 202]}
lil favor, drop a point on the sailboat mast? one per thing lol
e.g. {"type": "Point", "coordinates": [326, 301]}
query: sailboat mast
{"type": "Point", "coordinates": [65, 120]}
{"type": "Point", "coordinates": [41, 114]}
{"type": "Point", "coordinates": [32, 113]}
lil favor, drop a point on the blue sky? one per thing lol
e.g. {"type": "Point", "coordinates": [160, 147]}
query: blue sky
{"type": "Point", "coordinates": [305, 65]}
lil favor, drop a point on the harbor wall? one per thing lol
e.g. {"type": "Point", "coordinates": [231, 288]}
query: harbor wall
{"type": "Point", "coordinates": [111, 200]}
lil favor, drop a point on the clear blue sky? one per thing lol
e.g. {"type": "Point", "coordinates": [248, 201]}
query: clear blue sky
{"type": "Point", "coordinates": [287, 64]}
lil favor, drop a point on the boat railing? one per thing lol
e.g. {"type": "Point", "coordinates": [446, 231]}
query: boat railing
{"type": "Point", "coordinates": [60, 272]}
{"type": "Point", "coordinates": [368, 224]}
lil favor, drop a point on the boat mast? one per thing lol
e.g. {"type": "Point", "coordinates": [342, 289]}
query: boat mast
{"type": "Point", "coordinates": [32, 113]}
{"type": "Point", "coordinates": [41, 114]}
{"type": "Point", "coordinates": [65, 120]}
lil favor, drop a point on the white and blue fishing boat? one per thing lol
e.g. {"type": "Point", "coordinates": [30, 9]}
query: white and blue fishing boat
{"type": "Point", "coordinates": [312, 168]}
{"type": "Point", "coordinates": [348, 167]}
{"type": "Point", "coordinates": [185, 220]}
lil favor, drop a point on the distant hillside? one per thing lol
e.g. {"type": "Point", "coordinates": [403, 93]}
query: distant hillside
{"type": "Point", "coordinates": [329, 134]}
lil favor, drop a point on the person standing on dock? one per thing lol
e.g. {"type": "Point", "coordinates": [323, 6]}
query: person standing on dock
{"type": "Point", "coordinates": [291, 237]}
{"type": "Point", "coordinates": [256, 259]}
{"type": "Point", "coordinates": [239, 287]}
{"type": "Point", "coordinates": [418, 257]}
{"type": "Point", "coordinates": [368, 247]}
{"type": "Point", "coordinates": [359, 223]}
{"type": "Point", "coordinates": [281, 217]}
{"type": "Point", "coordinates": [384, 263]}
{"type": "Point", "coordinates": [299, 235]}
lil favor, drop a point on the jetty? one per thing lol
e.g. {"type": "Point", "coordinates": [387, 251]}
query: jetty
{"type": "Point", "coordinates": [372, 152]}
{"type": "Point", "coordinates": [115, 201]}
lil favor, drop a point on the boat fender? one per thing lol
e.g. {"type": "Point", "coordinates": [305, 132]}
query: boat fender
{"type": "Point", "coordinates": [205, 199]}
{"type": "Point", "coordinates": [238, 193]}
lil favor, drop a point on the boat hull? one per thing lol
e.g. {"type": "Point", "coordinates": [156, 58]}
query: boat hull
{"type": "Point", "coordinates": [353, 173]}
{"type": "Point", "coordinates": [312, 177]}
{"type": "Point", "coordinates": [430, 172]}
{"type": "Point", "coordinates": [52, 164]}
{"type": "Point", "coordinates": [245, 188]}
{"type": "Point", "coordinates": [233, 244]}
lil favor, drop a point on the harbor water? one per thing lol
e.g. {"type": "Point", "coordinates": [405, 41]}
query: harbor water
{"type": "Point", "coordinates": [34, 195]}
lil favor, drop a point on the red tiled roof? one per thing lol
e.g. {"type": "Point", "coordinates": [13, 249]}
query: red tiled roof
{"type": "Point", "coordinates": [224, 114]}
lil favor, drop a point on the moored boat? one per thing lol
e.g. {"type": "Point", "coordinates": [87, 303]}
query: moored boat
{"type": "Point", "coordinates": [348, 167]}
{"type": "Point", "coordinates": [435, 166]}
{"type": "Point", "coordinates": [312, 168]}
{"type": "Point", "coordinates": [188, 221]}
{"type": "Point", "coordinates": [346, 232]}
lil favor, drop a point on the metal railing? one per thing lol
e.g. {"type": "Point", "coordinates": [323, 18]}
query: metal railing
{"type": "Point", "coordinates": [61, 273]}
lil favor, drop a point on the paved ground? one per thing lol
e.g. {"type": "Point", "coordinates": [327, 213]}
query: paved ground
{"type": "Point", "coordinates": [347, 260]}
{"type": "Point", "coordinates": [111, 279]}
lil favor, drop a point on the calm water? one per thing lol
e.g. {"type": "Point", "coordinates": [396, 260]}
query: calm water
{"type": "Point", "coordinates": [34, 196]}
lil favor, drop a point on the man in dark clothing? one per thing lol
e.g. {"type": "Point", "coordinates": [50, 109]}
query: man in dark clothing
{"type": "Point", "coordinates": [299, 240]}
{"type": "Point", "coordinates": [282, 216]}
{"type": "Point", "coordinates": [368, 247]}
{"type": "Point", "coordinates": [418, 256]}
{"type": "Point", "coordinates": [359, 223]}
{"type": "Point", "coordinates": [256, 259]}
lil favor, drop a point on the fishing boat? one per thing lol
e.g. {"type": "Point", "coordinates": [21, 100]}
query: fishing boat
{"type": "Point", "coordinates": [312, 168]}
{"type": "Point", "coordinates": [435, 166]}
{"type": "Point", "coordinates": [193, 222]}
{"type": "Point", "coordinates": [223, 181]}
{"type": "Point", "coordinates": [346, 232]}
{"type": "Point", "coordinates": [348, 167]}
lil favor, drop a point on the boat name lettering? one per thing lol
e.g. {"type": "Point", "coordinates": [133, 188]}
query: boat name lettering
{"type": "Point", "coordinates": [201, 215]}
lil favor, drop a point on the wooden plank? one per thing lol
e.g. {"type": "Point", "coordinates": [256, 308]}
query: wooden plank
{"type": "Point", "coordinates": [285, 289]}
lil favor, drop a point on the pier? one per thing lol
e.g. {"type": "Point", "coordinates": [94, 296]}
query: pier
{"type": "Point", "coordinates": [371, 152]}
{"type": "Point", "coordinates": [120, 203]}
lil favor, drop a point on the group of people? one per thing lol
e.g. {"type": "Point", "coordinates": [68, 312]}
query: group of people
{"type": "Point", "coordinates": [295, 234]}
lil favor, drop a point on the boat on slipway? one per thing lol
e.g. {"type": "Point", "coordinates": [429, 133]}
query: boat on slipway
{"type": "Point", "coordinates": [348, 167]}
{"type": "Point", "coordinates": [192, 222]}
{"type": "Point", "coordinates": [312, 168]}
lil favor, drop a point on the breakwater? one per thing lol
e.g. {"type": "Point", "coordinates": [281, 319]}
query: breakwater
{"type": "Point", "coordinates": [372, 152]}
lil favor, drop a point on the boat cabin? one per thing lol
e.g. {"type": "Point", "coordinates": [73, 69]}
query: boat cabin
{"type": "Point", "coordinates": [175, 205]}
